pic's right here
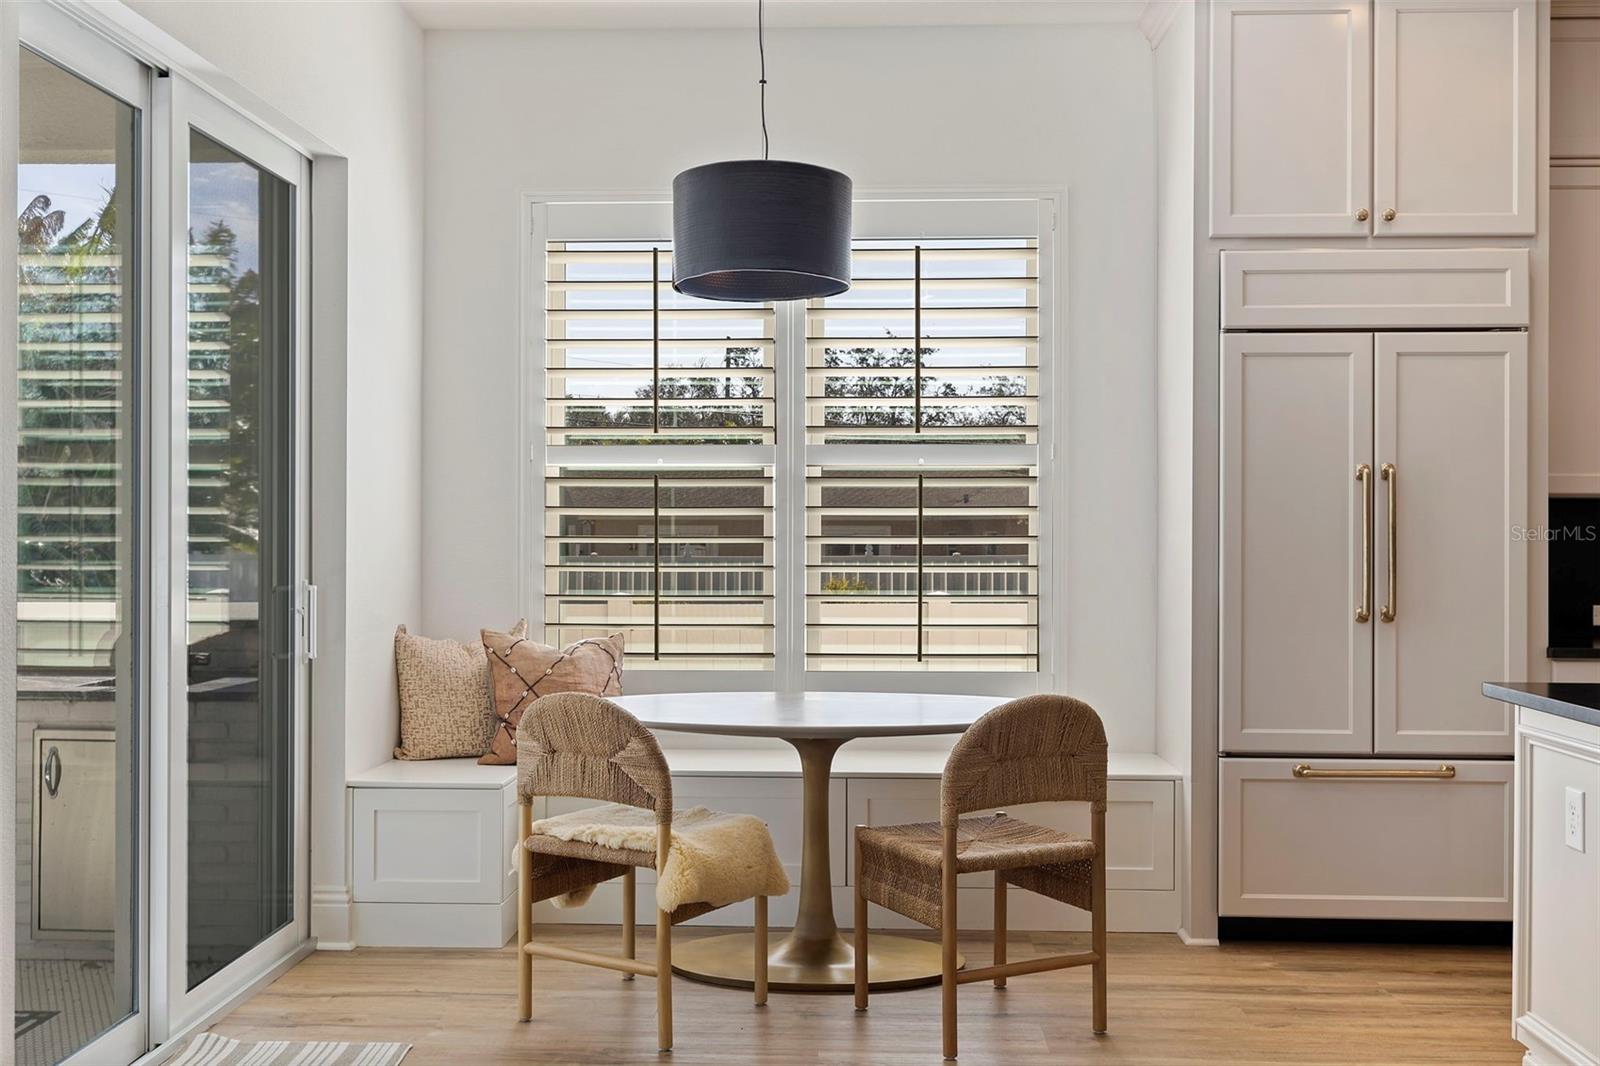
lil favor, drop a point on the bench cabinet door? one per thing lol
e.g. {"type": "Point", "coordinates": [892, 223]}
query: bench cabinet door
{"type": "Point", "coordinates": [432, 845]}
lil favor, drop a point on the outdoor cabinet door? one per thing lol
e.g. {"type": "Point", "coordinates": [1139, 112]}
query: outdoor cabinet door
{"type": "Point", "coordinates": [1296, 649]}
{"type": "Point", "coordinates": [1291, 131]}
{"type": "Point", "coordinates": [1452, 434]}
{"type": "Point", "coordinates": [1454, 117]}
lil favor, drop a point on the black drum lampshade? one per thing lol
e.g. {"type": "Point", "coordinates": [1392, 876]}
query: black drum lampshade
{"type": "Point", "coordinates": [756, 230]}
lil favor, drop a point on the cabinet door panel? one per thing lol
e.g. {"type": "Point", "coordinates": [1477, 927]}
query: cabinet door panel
{"type": "Point", "coordinates": [1365, 847]}
{"type": "Point", "coordinates": [1290, 118]}
{"type": "Point", "coordinates": [1454, 117]}
{"type": "Point", "coordinates": [1296, 657]}
{"type": "Point", "coordinates": [1452, 420]}
{"type": "Point", "coordinates": [1575, 89]}
{"type": "Point", "coordinates": [76, 891]}
{"type": "Point", "coordinates": [1575, 328]}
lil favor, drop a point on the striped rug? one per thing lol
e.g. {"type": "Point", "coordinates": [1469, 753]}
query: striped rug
{"type": "Point", "coordinates": [209, 1049]}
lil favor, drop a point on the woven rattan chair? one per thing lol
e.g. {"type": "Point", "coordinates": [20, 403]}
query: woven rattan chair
{"type": "Point", "coordinates": [572, 744]}
{"type": "Point", "coordinates": [1033, 750]}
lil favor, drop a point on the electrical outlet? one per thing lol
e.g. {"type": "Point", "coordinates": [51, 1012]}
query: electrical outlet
{"type": "Point", "coordinates": [1574, 819]}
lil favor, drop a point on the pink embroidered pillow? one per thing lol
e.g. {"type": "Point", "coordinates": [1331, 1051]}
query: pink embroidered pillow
{"type": "Point", "coordinates": [521, 671]}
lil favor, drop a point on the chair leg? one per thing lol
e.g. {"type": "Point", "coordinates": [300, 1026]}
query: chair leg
{"type": "Point", "coordinates": [628, 895]}
{"type": "Point", "coordinates": [664, 979]}
{"type": "Point", "coordinates": [761, 952]}
{"type": "Point", "coordinates": [524, 918]}
{"type": "Point", "coordinates": [999, 925]}
{"type": "Point", "coordinates": [947, 940]}
{"type": "Point", "coordinates": [1098, 898]}
{"type": "Point", "coordinates": [860, 928]}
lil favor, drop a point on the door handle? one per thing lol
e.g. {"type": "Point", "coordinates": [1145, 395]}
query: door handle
{"type": "Point", "coordinates": [1364, 476]}
{"type": "Point", "coordinates": [1387, 472]}
{"type": "Point", "coordinates": [1443, 773]}
{"type": "Point", "coordinates": [52, 770]}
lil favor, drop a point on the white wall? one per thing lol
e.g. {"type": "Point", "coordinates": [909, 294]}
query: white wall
{"type": "Point", "coordinates": [516, 112]}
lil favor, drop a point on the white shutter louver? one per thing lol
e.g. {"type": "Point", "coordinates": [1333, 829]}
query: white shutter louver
{"type": "Point", "coordinates": [922, 569]}
{"type": "Point", "coordinates": [678, 559]}
{"type": "Point", "coordinates": [630, 361]}
{"type": "Point", "coordinates": [936, 342]}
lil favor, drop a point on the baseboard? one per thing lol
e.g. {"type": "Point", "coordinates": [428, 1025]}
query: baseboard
{"type": "Point", "coordinates": [1130, 911]}
{"type": "Point", "coordinates": [1364, 931]}
{"type": "Point", "coordinates": [436, 925]}
{"type": "Point", "coordinates": [1546, 1045]}
{"type": "Point", "coordinates": [331, 918]}
{"type": "Point", "coordinates": [1197, 941]}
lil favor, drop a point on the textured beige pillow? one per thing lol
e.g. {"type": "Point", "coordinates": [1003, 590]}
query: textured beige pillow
{"type": "Point", "coordinates": [521, 671]}
{"type": "Point", "coordinates": [445, 708]}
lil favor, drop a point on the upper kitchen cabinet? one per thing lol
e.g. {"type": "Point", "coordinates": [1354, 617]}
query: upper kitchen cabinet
{"type": "Point", "coordinates": [1290, 118]}
{"type": "Point", "coordinates": [1393, 118]}
{"type": "Point", "coordinates": [1454, 123]}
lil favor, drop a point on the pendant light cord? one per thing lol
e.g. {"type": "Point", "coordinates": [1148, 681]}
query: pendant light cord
{"type": "Point", "coordinates": [761, 48]}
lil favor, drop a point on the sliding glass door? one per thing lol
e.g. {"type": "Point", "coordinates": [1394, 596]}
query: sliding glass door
{"type": "Point", "coordinates": [161, 523]}
{"type": "Point", "coordinates": [238, 880]}
{"type": "Point", "coordinates": [81, 483]}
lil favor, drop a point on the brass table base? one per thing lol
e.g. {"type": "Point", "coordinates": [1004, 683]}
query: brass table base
{"type": "Point", "coordinates": [893, 962]}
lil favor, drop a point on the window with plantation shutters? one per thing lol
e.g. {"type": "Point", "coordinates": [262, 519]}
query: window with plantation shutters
{"type": "Point", "coordinates": [839, 486]}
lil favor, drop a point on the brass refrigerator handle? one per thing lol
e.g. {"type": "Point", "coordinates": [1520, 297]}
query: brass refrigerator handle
{"type": "Point", "coordinates": [1388, 474]}
{"type": "Point", "coordinates": [1364, 476]}
{"type": "Point", "coordinates": [1444, 773]}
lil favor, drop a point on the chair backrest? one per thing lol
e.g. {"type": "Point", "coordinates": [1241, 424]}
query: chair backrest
{"type": "Point", "coordinates": [575, 744]}
{"type": "Point", "coordinates": [1037, 749]}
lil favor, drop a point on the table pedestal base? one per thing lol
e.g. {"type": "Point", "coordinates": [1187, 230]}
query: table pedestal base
{"type": "Point", "coordinates": [795, 965]}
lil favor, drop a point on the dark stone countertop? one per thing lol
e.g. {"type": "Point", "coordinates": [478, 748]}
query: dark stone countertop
{"type": "Point", "coordinates": [1581, 703]}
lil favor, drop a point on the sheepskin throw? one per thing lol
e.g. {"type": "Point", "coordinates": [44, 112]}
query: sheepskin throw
{"type": "Point", "coordinates": [445, 708]}
{"type": "Point", "coordinates": [521, 670]}
{"type": "Point", "coordinates": [714, 858]}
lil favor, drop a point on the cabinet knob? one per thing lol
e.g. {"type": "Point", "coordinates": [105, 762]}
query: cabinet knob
{"type": "Point", "coordinates": [1388, 214]}
{"type": "Point", "coordinates": [1362, 215]}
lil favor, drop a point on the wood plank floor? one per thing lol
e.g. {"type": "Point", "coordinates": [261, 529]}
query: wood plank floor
{"type": "Point", "coordinates": [1169, 1004]}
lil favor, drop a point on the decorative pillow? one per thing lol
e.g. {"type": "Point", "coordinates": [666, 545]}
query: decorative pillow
{"type": "Point", "coordinates": [521, 671]}
{"type": "Point", "coordinates": [445, 708]}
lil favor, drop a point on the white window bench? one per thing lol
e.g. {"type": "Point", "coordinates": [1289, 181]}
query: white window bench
{"type": "Point", "coordinates": [432, 842]}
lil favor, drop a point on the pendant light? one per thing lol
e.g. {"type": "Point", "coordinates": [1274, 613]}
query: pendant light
{"type": "Point", "coordinates": [753, 230]}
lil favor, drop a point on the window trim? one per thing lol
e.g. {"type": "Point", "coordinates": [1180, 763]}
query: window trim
{"type": "Point", "coordinates": [894, 213]}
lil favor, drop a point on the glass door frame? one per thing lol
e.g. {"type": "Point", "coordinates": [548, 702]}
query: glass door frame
{"type": "Point", "coordinates": [88, 56]}
{"type": "Point", "coordinates": [183, 106]}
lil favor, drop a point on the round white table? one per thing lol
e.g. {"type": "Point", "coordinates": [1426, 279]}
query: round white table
{"type": "Point", "coordinates": [814, 957]}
